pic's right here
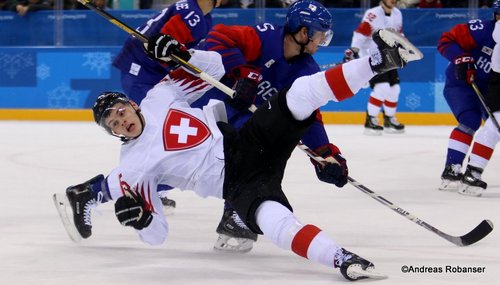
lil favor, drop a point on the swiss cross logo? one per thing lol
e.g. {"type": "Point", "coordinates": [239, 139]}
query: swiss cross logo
{"type": "Point", "coordinates": [182, 131]}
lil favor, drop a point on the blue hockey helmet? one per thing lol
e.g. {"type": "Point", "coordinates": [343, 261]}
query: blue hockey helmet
{"type": "Point", "coordinates": [312, 15]}
{"type": "Point", "coordinates": [496, 7]}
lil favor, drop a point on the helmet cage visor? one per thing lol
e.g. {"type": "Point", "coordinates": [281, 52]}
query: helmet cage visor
{"type": "Point", "coordinates": [323, 38]}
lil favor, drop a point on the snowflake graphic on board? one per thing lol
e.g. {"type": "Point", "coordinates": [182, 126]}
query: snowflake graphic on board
{"type": "Point", "coordinates": [97, 61]}
{"type": "Point", "coordinates": [63, 97]}
{"type": "Point", "coordinates": [413, 101]}
{"type": "Point", "coordinates": [43, 71]}
{"type": "Point", "coordinates": [12, 64]}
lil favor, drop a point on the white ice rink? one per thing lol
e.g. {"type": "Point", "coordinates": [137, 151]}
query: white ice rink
{"type": "Point", "coordinates": [41, 158]}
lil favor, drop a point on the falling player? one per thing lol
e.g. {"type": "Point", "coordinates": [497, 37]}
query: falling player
{"type": "Point", "coordinates": [260, 60]}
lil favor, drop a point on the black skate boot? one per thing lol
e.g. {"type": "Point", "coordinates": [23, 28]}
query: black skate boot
{"type": "Point", "coordinates": [372, 127]}
{"type": "Point", "coordinates": [472, 185]}
{"type": "Point", "coordinates": [234, 235]}
{"type": "Point", "coordinates": [394, 51]}
{"type": "Point", "coordinates": [450, 178]}
{"type": "Point", "coordinates": [391, 125]}
{"type": "Point", "coordinates": [354, 267]}
{"type": "Point", "coordinates": [82, 199]}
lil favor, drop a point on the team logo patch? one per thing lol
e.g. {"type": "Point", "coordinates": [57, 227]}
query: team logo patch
{"type": "Point", "coordinates": [182, 131]}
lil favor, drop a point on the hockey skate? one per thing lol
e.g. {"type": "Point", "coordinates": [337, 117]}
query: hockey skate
{"type": "Point", "coordinates": [392, 126]}
{"type": "Point", "coordinates": [451, 177]}
{"type": "Point", "coordinates": [472, 185]}
{"type": "Point", "coordinates": [396, 50]}
{"type": "Point", "coordinates": [80, 200]}
{"type": "Point", "coordinates": [354, 267]}
{"type": "Point", "coordinates": [234, 235]}
{"type": "Point", "coordinates": [372, 128]}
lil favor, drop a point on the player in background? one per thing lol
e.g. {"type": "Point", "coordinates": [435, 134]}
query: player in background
{"type": "Point", "coordinates": [385, 87]}
{"type": "Point", "coordinates": [468, 47]}
{"type": "Point", "coordinates": [157, 151]}
{"type": "Point", "coordinates": [488, 135]}
{"type": "Point", "coordinates": [188, 21]}
{"type": "Point", "coordinates": [261, 60]}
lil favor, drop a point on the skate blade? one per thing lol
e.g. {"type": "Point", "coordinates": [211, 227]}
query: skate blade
{"type": "Point", "coordinates": [355, 271]}
{"type": "Point", "coordinates": [393, 131]}
{"type": "Point", "coordinates": [472, 191]}
{"type": "Point", "coordinates": [407, 50]}
{"type": "Point", "coordinates": [62, 204]}
{"type": "Point", "coordinates": [226, 243]}
{"type": "Point", "coordinates": [372, 132]}
{"type": "Point", "coordinates": [450, 186]}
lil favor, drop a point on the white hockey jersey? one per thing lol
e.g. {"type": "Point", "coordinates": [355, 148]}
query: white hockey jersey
{"type": "Point", "coordinates": [179, 146]}
{"type": "Point", "coordinates": [375, 19]}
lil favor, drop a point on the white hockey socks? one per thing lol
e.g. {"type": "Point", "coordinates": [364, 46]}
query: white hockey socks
{"type": "Point", "coordinates": [280, 226]}
{"type": "Point", "coordinates": [308, 93]}
{"type": "Point", "coordinates": [485, 141]}
{"type": "Point", "coordinates": [391, 100]}
{"type": "Point", "coordinates": [377, 98]}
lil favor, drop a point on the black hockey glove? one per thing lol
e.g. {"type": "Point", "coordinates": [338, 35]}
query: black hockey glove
{"type": "Point", "coordinates": [246, 79]}
{"type": "Point", "coordinates": [350, 54]}
{"type": "Point", "coordinates": [465, 68]}
{"type": "Point", "coordinates": [132, 211]}
{"type": "Point", "coordinates": [162, 46]}
{"type": "Point", "coordinates": [331, 172]}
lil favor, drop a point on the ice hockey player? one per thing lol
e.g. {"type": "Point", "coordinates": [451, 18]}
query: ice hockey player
{"type": "Point", "coordinates": [260, 60]}
{"type": "Point", "coordinates": [188, 21]}
{"type": "Point", "coordinates": [385, 87]}
{"type": "Point", "coordinates": [468, 47]}
{"type": "Point", "coordinates": [167, 141]}
{"type": "Point", "coordinates": [488, 135]}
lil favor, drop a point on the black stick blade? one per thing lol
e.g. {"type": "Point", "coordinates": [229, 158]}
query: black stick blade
{"type": "Point", "coordinates": [477, 234]}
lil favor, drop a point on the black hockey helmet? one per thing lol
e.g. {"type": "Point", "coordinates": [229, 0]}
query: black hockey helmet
{"type": "Point", "coordinates": [104, 102]}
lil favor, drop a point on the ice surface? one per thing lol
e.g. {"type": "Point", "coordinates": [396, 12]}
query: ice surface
{"type": "Point", "coordinates": [41, 158]}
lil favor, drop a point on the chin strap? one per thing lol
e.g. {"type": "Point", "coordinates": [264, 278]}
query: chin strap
{"type": "Point", "coordinates": [302, 46]}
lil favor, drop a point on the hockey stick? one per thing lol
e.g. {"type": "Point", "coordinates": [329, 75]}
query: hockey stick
{"type": "Point", "coordinates": [475, 235]}
{"type": "Point", "coordinates": [206, 77]}
{"type": "Point", "coordinates": [483, 102]}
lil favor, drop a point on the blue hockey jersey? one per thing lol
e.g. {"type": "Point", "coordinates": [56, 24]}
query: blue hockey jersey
{"type": "Point", "coordinates": [183, 20]}
{"type": "Point", "coordinates": [263, 47]}
{"type": "Point", "coordinates": [474, 38]}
